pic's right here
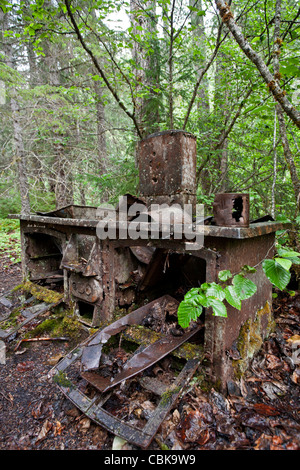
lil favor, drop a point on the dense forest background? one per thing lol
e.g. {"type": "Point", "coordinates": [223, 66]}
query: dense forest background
{"type": "Point", "coordinates": [82, 80]}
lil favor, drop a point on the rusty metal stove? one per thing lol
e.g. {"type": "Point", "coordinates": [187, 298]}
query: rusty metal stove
{"type": "Point", "coordinates": [61, 248]}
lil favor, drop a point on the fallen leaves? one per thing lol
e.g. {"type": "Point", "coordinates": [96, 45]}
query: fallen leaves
{"type": "Point", "coordinates": [48, 426]}
{"type": "Point", "coordinates": [195, 426]}
{"type": "Point", "coordinates": [266, 410]}
{"type": "Point", "coordinates": [25, 366]}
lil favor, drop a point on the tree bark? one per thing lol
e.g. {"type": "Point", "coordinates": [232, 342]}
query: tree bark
{"type": "Point", "coordinates": [273, 86]}
{"type": "Point", "coordinates": [274, 168]}
{"type": "Point", "coordinates": [101, 128]}
{"type": "Point", "coordinates": [204, 69]}
{"type": "Point", "coordinates": [63, 176]}
{"type": "Point", "coordinates": [21, 157]}
{"type": "Point", "coordinates": [280, 115]}
{"type": "Point", "coordinates": [142, 16]}
{"type": "Point", "coordinates": [199, 38]}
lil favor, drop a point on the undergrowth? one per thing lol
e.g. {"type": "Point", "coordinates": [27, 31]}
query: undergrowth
{"type": "Point", "coordinates": [10, 243]}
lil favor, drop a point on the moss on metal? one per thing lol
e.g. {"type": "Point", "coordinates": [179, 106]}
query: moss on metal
{"type": "Point", "coordinates": [251, 337]}
{"type": "Point", "coordinates": [42, 293]}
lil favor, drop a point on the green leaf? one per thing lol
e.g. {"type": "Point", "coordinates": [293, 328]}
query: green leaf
{"type": "Point", "coordinates": [276, 273]}
{"type": "Point", "coordinates": [293, 256]}
{"type": "Point", "coordinates": [244, 287]}
{"type": "Point", "coordinates": [224, 275]}
{"type": "Point", "coordinates": [214, 290]}
{"type": "Point", "coordinates": [248, 269]}
{"type": "Point", "coordinates": [232, 297]}
{"type": "Point", "coordinates": [285, 263]}
{"type": "Point", "coordinates": [219, 309]}
{"type": "Point", "coordinates": [187, 312]}
{"type": "Point", "coordinates": [191, 293]}
{"type": "Point", "coordinates": [287, 253]}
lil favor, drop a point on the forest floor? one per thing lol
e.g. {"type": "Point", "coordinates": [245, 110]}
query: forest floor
{"type": "Point", "coordinates": [261, 414]}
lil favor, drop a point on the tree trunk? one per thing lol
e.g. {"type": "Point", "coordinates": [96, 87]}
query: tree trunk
{"type": "Point", "coordinates": [101, 128]}
{"type": "Point", "coordinates": [21, 157]}
{"type": "Point", "coordinates": [274, 168]}
{"type": "Point", "coordinates": [199, 38]}
{"type": "Point", "coordinates": [264, 71]}
{"type": "Point", "coordinates": [280, 115]}
{"type": "Point", "coordinates": [63, 176]}
{"type": "Point", "coordinates": [146, 64]}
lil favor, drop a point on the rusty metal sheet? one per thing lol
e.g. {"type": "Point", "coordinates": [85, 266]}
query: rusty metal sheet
{"type": "Point", "coordinates": [236, 232]}
{"type": "Point", "coordinates": [92, 351]}
{"type": "Point", "coordinates": [231, 209]}
{"type": "Point", "coordinates": [143, 253]}
{"type": "Point", "coordinates": [71, 211]}
{"type": "Point", "coordinates": [167, 163]}
{"type": "Point", "coordinates": [141, 360]}
{"type": "Point", "coordinates": [154, 269]}
{"type": "Point", "coordinates": [150, 355]}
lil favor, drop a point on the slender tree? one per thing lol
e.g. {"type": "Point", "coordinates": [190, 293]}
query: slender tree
{"type": "Point", "coordinates": [21, 156]}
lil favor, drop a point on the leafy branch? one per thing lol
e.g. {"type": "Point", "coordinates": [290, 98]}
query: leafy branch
{"type": "Point", "coordinates": [213, 294]}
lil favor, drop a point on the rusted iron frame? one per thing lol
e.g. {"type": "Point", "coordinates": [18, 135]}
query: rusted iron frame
{"type": "Point", "coordinates": [224, 209]}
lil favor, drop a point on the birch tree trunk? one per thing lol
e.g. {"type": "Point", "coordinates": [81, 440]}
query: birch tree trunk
{"type": "Point", "coordinates": [280, 114]}
{"type": "Point", "coordinates": [199, 39]}
{"type": "Point", "coordinates": [273, 85]}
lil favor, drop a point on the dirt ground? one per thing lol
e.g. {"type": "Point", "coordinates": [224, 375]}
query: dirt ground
{"type": "Point", "coordinates": [261, 412]}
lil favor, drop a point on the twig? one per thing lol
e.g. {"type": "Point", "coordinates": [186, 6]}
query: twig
{"type": "Point", "coordinates": [8, 399]}
{"type": "Point", "coordinates": [62, 338]}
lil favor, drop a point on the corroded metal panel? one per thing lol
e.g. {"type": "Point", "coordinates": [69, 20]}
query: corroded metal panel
{"type": "Point", "coordinates": [85, 288]}
{"type": "Point", "coordinates": [167, 165]}
{"type": "Point", "coordinates": [231, 209]}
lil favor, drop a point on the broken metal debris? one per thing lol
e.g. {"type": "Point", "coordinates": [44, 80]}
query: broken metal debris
{"type": "Point", "coordinates": [92, 351]}
{"type": "Point", "coordinates": [90, 354]}
{"type": "Point", "coordinates": [22, 310]}
{"type": "Point", "coordinates": [144, 358]}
